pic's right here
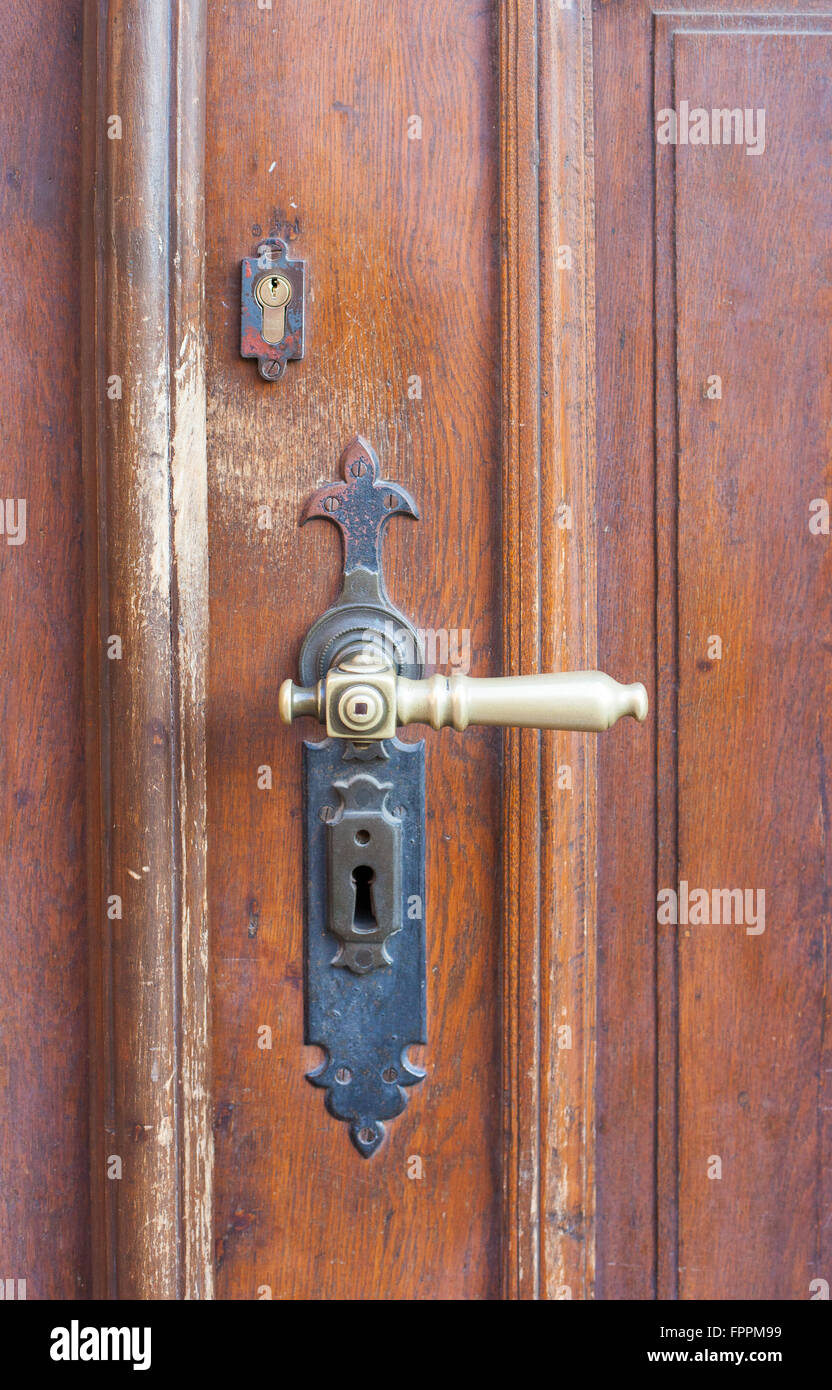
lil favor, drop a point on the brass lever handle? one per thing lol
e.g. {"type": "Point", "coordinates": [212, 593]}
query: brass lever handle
{"type": "Point", "coordinates": [363, 698]}
{"type": "Point", "coordinates": [589, 701]}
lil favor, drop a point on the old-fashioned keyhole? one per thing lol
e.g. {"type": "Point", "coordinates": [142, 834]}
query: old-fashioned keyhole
{"type": "Point", "coordinates": [363, 917]}
{"type": "Point", "coordinates": [273, 293]}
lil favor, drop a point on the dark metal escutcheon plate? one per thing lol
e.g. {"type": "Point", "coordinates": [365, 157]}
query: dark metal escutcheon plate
{"type": "Point", "coordinates": [366, 1011]}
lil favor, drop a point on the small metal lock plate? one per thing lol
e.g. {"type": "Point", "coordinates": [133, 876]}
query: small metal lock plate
{"type": "Point", "coordinates": [273, 308]}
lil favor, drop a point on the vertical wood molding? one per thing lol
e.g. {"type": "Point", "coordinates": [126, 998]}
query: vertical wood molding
{"type": "Point", "coordinates": [549, 945]}
{"type": "Point", "coordinates": [521, 450]}
{"type": "Point", "coordinates": [667, 690]}
{"type": "Point", "coordinates": [145, 470]}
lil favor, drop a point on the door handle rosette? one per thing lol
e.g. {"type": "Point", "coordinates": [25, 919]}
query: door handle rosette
{"type": "Point", "coordinates": [361, 670]}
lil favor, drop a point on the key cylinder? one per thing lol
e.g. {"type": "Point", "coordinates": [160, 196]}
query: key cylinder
{"type": "Point", "coordinates": [273, 294]}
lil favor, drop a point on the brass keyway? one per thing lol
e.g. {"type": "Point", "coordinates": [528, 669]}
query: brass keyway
{"type": "Point", "coordinates": [273, 293]}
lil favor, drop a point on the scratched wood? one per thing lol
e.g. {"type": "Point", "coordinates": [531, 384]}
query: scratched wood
{"type": "Point", "coordinates": [713, 1101]}
{"type": "Point", "coordinates": [548, 1023]}
{"type": "Point", "coordinates": [388, 301]}
{"type": "Point", "coordinates": [144, 450]}
{"type": "Point", "coordinates": [614, 1107]}
{"type": "Point", "coordinates": [44, 1195]}
{"type": "Point", "coordinates": [309, 105]}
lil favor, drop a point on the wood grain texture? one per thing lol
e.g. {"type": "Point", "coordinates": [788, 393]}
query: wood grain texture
{"type": "Point", "coordinates": [44, 1194]}
{"type": "Point", "coordinates": [548, 609]}
{"type": "Point", "coordinates": [754, 727]}
{"type": "Point", "coordinates": [521, 455]}
{"type": "Point", "coordinates": [147, 584]}
{"type": "Point", "coordinates": [568, 642]}
{"type": "Point", "coordinates": [308, 110]}
{"type": "Point", "coordinates": [627, 997]}
{"type": "Point", "coordinates": [714, 1041]}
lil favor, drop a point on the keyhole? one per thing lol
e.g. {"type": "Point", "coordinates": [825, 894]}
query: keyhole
{"type": "Point", "coordinates": [363, 917]}
{"type": "Point", "coordinates": [273, 293]}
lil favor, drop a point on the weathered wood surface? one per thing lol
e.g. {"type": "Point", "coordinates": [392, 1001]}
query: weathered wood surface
{"type": "Point", "coordinates": [713, 1172]}
{"type": "Point", "coordinates": [401, 239]}
{"type": "Point", "coordinates": [147, 586]}
{"type": "Point", "coordinates": [548, 602]}
{"type": "Point", "coordinates": [467, 258]}
{"type": "Point", "coordinates": [44, 1192]}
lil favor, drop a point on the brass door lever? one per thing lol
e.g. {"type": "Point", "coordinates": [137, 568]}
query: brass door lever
{"type": "Point", "coordinates": [363, 698]}
{"type": "Point", "coordinates": [361, 669]}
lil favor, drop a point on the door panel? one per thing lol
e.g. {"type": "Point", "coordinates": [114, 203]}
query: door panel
{"type": "Point", "coordinates": [44, 1123]}
{"type": "Point", "coordinates": [400, 236]}
{"type": "Point", "coordinates": [715, 263]}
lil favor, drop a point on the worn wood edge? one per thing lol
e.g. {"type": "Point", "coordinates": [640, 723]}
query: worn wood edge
{"type": "Point", "coordinates": [189, 630]}
{"type": "Point", "coordinates": [520, 959]}
{"type": "Point", "coordinates": [96, 708]}
{"type": "Point", "coordinates": [665, 435]}
{"type": "Point", "coordinates": [550, 622]}
{"type": "Point", "coordinates": [570, 626]}
{"type": "Point", "coordinates": [146, 578]}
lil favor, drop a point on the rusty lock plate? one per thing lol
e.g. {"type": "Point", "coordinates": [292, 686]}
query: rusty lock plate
{"type": "Point", "coordinates": [273, 308]}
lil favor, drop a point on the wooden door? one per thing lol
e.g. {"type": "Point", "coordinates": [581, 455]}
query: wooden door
{"type": "Point", "coordinates": [44, 1114]}
{"type": "Point", "coordinates": [393, 147]}
{"type": "Point", "coordinates": [712, 274]}
{"type": "Point", "coordinates": [599, 360]}
{"type": "Point", "coordinates": [403, 329]}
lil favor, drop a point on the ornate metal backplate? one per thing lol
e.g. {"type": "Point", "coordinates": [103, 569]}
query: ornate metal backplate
{"type": "Point", "coordinates": [364, 836]}
{"type": "Point", "coordinates": [360, 506]}
{"type": "Point", "coordinates": [365, 969]}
